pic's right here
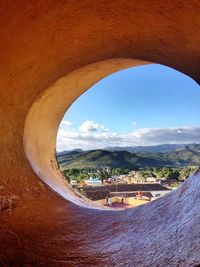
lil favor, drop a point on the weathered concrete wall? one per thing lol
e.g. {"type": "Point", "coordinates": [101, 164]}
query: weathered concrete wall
{"type": "Point", "coordinates": [44, 43]}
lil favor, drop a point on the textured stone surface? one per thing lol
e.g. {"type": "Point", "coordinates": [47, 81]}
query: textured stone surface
{"type": "Point", "coordinates": [50, 52]}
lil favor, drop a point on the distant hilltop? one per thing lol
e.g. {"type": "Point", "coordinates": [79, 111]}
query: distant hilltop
{"type": "Point", "coordinates": [150, 149]}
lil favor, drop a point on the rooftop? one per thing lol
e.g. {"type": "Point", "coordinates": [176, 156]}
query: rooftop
{"type": "Point", "coordinates": [101, 192]}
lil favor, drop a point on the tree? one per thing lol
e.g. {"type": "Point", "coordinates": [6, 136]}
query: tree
{"type": "Point", "coordinates": [103, 174]}
{"type": "Point", "coordinates": [173, 174]}
{"type": "Point", "coordinates": [117, 171]}
{"type": "Point", "coordinates": [186, 172]}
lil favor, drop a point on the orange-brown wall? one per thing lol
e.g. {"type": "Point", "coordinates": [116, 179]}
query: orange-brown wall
{"type": "Point", "coordinates": [41, 43]}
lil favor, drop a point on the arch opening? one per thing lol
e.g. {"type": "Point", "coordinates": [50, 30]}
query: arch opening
{"type": "Point", "coordinates": [103, 161]}
{"type": "Point", "coordinates": [46, 114]}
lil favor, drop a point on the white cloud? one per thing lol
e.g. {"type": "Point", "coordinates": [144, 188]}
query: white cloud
{"type": "Point", "coordinates": [134, 123]}
{"type": "Point", "coordinates": [65, 123]}
{"type": "Point", "coordinates": [154, 136]}
{"type": "Point", "coordinates": [92, 135]}
{"type": "Point", "coordinates": [88, 126]}
{"type": "Point", "coordinates": [91, 126]}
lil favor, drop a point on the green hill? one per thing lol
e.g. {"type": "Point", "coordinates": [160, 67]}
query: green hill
{"type": "Point", "coordinates": [190, 155]}
{"type": "Point", "coordinates": [102, 159]}
{"type": "Point", "coordinates": [187, 156]}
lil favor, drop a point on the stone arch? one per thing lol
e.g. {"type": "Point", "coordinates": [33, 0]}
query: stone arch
{"type": "Point", "coordinates": [41, 42]}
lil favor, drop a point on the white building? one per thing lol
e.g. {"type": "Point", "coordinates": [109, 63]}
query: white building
{"type": "Point", "coordinates": [151, 180]}
{"type": "Point", "coordinates": [73, 182]}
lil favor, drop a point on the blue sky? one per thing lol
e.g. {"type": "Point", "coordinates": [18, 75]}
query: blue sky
{"type": "Point", "coordinates": [127, 107]}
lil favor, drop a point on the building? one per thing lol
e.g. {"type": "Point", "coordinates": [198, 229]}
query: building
{"type": "Point", "coordinates": [134, 178]}
{"type": "Point", "coordinates": [151, 179]}
{"type": "Point", "coordinates": [73, 182]}
{"type": "Point", "coordinates": [153, 191]}
{"type": "Point", "coordinates": [93, 181]}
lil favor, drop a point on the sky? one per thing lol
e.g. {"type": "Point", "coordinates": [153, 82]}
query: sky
{"type": "Point", "coordinates": [145, 105]}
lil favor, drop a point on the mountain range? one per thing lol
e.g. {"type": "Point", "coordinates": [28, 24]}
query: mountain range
{"type": "Point", "coordinates": [150, 149]}
{"type": "Point", "coordinates": [173, 155]}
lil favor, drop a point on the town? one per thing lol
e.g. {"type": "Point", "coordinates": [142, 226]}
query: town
{"type": "Point", "coordinates": [123, 188]}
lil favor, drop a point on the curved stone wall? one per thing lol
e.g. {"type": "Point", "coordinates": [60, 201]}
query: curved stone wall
{"type": "Point", "coordinates": [44, 117]}
{"type": "Point", "coordinates": [51, 52]}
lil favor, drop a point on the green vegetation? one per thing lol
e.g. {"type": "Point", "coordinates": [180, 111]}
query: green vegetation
{"type": "Point", "coordinates": [167, 173]}
{"type": "Point", "coordinates": [83, 174]}
{"type": "Point", "coordinates": [78, 174]}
